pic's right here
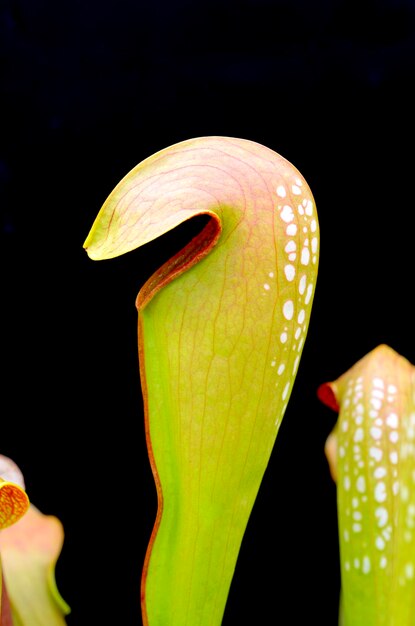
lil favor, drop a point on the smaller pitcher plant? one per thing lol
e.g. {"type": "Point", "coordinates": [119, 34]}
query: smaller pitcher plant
{"type": "Point", "coordinates": [371, 454]}
{"type": "Point", "coordinates": [30, 544]}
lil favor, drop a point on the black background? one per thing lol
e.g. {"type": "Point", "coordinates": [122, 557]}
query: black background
{"type": "Point", "coordinates": [89, 89]}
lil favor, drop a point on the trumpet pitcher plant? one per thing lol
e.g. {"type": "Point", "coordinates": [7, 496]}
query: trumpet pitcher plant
{"type": "Point", "coordinates": [221, 329]}
{"type": "Point", "coordinates": [30, 544]}
{"type": "Point", "coordinates": [371, 453]}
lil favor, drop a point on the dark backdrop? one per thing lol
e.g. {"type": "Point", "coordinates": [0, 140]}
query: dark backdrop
{"type": "Point", "coordinates": [89, 89]}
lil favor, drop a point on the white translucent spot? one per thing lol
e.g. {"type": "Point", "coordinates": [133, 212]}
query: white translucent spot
{"type": "Point", "coordinates": [300, 209]}
{"type": "Point", "coordinates": [296, 190]}
{"type": "Point", "coordinates": [376, 453]}
{"type": "Point", "coordinates": [361, 484]}
{"type": "Point", "coordinates": [346, 535]}
{"type": "Point", "coordinates": [305, 256]}
{"type": "Point", "coordinates": [378, 382]}
{"type": "Point", "coordinates": [299, 182]}
{"type": "Point", "coordinates": [376, 403]}
{"type": "Point", "coordinates": [381, 515]}
{"type": "Point", "coordinates": [302, 284]}
{"type": "Point", "coordinates": [378, 422]}
{"type": "Point", "coordinates": [378, 393]}
{"type": "Point", "coordinates": [297, 333]}
{"type": "Point", "coordinates": [308, 294]}
{"type": "Point", "coordinates": [380, 472]}
{"type": "Point", "coordinates": [314, 244]}
{"type": "Point", "coordinates": [392, 389]}
{"type": "Point", "coordinates": [347, 566]}
{"type": "Point", "coordinates": [356, 527]}
{"type": "Point", "coordinates": [395, 488]}
{"type": "Point", "coordinates": [281, 369]}
{"type": "Point", "coordinates": [289, 271]}
{"type": "Point", "coordinates": [313, 226]}
{"type": "Point", "coordinates": [409, 571]}
{"type": "Point", "coordinates": [301, 316]}
{"type": "Point", "coordinates": [296, 362]}
{"type": "Point", "coordinates": [360, 409]}
{"type": "Point", "coordinates": [346, 483]}
{"type": "Point", "coordinates": [359, 434]}
{"type": "Point", "coordinates": [287, 214]}
{"type": "Point", "coordinates": [356, 563]}
{"type": "Point", "coordinates": [285, 392]}
{"type": "Point", "coordinates": [383, 562]}
{"type": "Point", "coordinates": [309, 208]}
{"type": "Point", "coordinates": [357, 516]}
{"type": "Point", "coordinates": [376, 432]}
{"type": "Point", "coordinates": [291, 230]}
{"type": "Point", "coordinates": [380, 543]}
{"type": "Point", "coordinates": [366, 565]}
{"type": "Point", "coordinates": [355, 503]}
{"type": "Point", "coordinates": [392, 420]}
{"type": "Point", "coordinates": [281, 191]}
{"type": "Point", "coordinates": [393, 436]}
{"type": "Point", "coordinates": [288, 309]}
{"type": "Point", "coordinates": [273, 363]}
{"type": "Point", "coordinates": [342, 452]}
{"type": "Point", "coordinates": [380, 492]}
{"type": "Point", "coordinates": [291, 246]}
{"type": "Point", "coordinates": [386, 532]}
{"type": "Point", "coordinates": [345, 425]}
{"type": "Point", "coordinates": [292, 256]}
{"type": "Point", "coordinates": [393, 457]}
{"type": "Point", "coordinates": [271, 274]}
{"type": "Point", "coordinates": [266, 287]}
{"type": "Point", "coordinates": [373, 413]}
{"type": "Point", "coordinates": [283, 337]}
